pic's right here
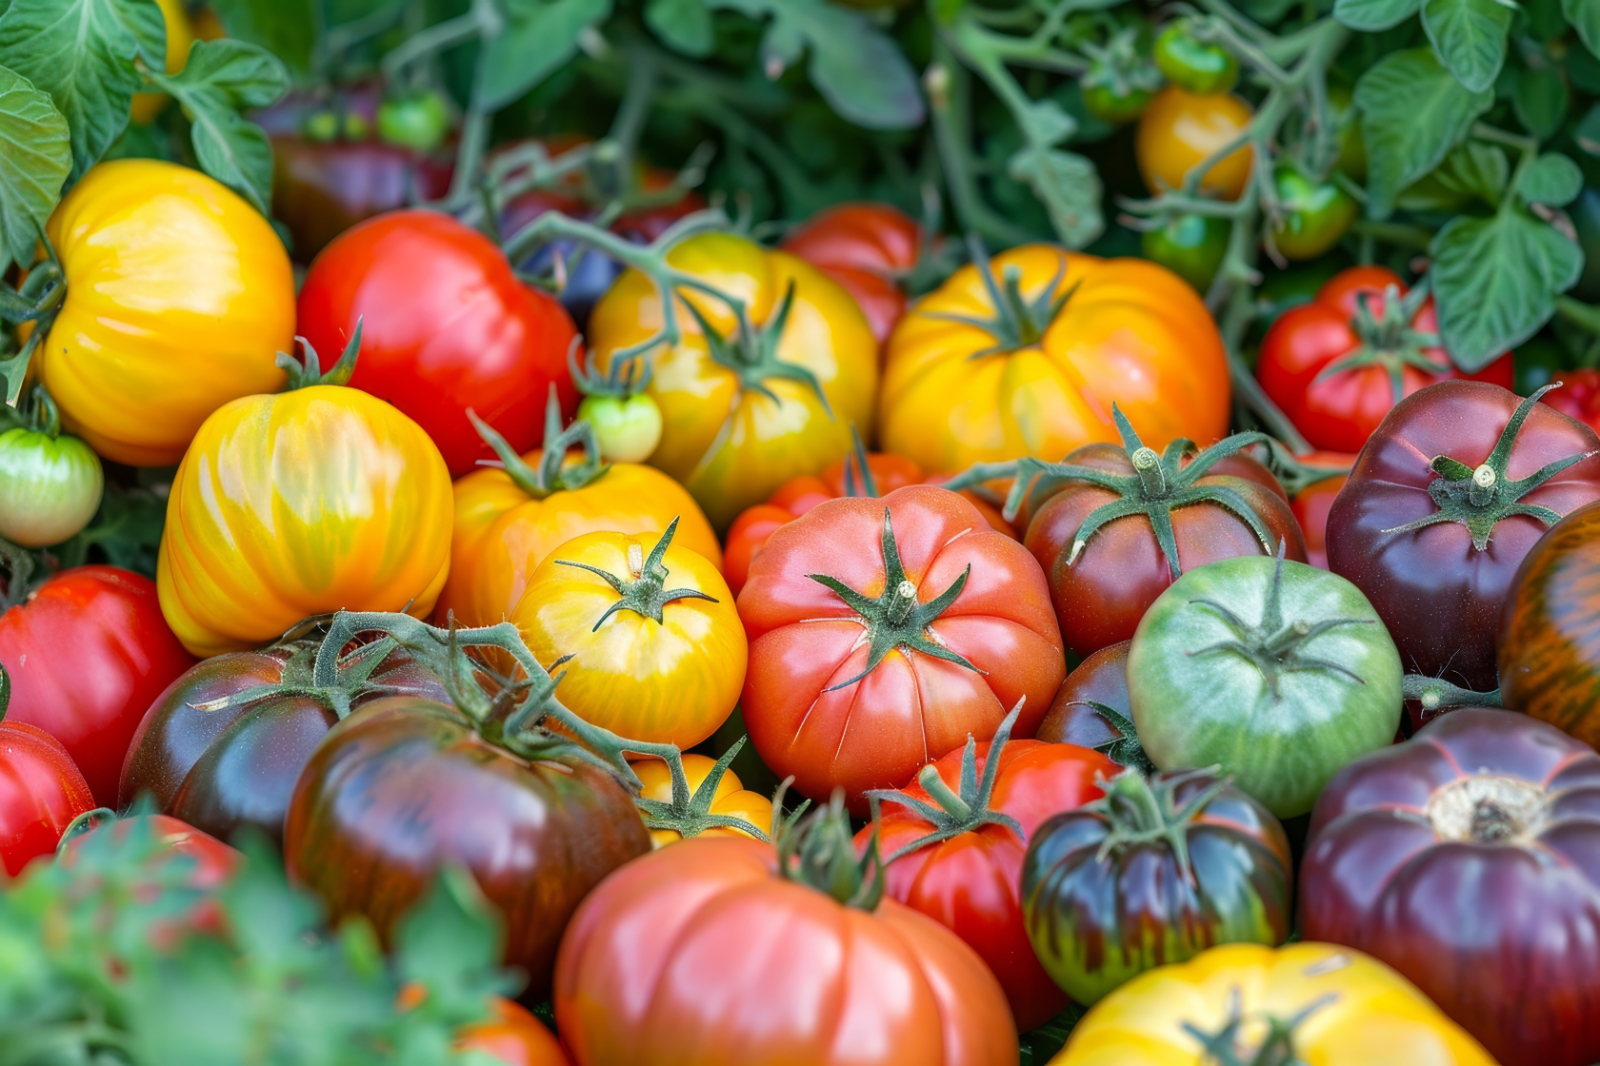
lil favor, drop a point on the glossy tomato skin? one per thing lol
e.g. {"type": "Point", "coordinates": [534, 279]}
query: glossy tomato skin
{"type": "Point", "coordinates": [87, 654]}
{"type": "Point", "coordinates": [700, 953]}
{"type": "Point", "coordinates": [1316, 214]}
{"type": "Point", "coordinates": [50, 487]}
{"type": "Point", "coordinates": [1101, 678]}
{"type": "Point", "coordinates": [969, 883]}
{"type": "Point", "coordinates": [179, 297]}
{"type": "Point", "coordinates": [868, 248]}
{"type": "Point", "coordinates": [445, 327]}
{"type": "Point", "coordinates": [1339, 412]}
{"type": "Point", "coordinates": [876, 731]}
{"type": "Point", "coordinates": [1179, 129]}
{"type": "Point", "coordinates": [1466, 859]}
{"type": "Point", "coordinates": [404, 786]}
{"type": "Point", "coordinates": [1191, 246]}
{"type": "Point", "coordinates": [320, 189]}
{"type": "Point", "coordinates": [514, 1036]}
{"type": "Point", "coordinates": [41, 792]}
{"type": "Point", "coordinates": [1438, 595]}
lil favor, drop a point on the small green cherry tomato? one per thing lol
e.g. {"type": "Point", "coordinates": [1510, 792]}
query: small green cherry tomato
{"type": "Point", "coordinates": [1191, 246]}
{"type": "Point", "coordinates": [330, 125]}
{"type": "Point", "coordinates": [1315, 215]}
{"type": "Point", "coordinates": [1194, 65]}
{"type": "Point", "coordinates": [627, 430]}
{"type": "Point", "coordinates": [418, 121]}
{"type": "Point", "coordinates": [49, 487]}
{"type": "Point", "coordinates": [1116, 104]}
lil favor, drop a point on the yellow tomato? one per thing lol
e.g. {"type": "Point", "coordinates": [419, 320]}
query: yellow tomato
{"type": "Point", "coordinates": [730, 798]}
{"type": "Point", "coordinates": [319, 499]}
{"type": "Point", "coordinates": [179, 297]}
{"type": "Point", "coordinates": [1039, 379]}
{"type": "Point", "coordinates": [180, 35]}
{"type": "Point", "coordinates": [738, 424]}
{"type": "Point", "coordinates": [1178, 130]}
{"type": "Point", "coordinates": [1357, 1012]}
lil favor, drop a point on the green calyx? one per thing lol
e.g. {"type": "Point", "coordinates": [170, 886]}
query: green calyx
{"type": "Point", "coordinates": [819, 850]}
{"type": "Point", "coordinates": [897, 619]}
{"type": "Point", "coordinates": [1124, 749]}
{"type": "Point", "coordinates": [751, 352]}
{"type": "Point", "coordinates": [645, 593]}
{"type": "Point", "coordinates": [688, 814]}
{"type": "Point", "coordinates": [1389, 341]}
{"type": "Point", "coordinates": [1480, 497]}
{"type": "Point", "coordinates": [305, 374]}
{"type": "Point", "coordinates": [1435, 693]}
{"type": "Point", "coordinates": [1018, 321]}
{"type": "Point", "coordinates": [858, 479]}
{"type": "Point", "coordinates": [1143, 809]}
{"type": "Point", "coordinates": [1227, 1047]}
{"type": "Point", "coordinates": [1119, 66]}
{"type": "Point", "coordinates": [553, 474]}
{"type": "Point", "coordinates": [623, 379]}
{"type": "Point", "coordinates": [351, 677]}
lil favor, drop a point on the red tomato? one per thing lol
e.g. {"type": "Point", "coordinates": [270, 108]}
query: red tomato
{"type": "Point", "coordinates": [1311, 504]}
{"type": "Point", "coordinates": [1389, 358]}
{"type": "Point", "coordinates": [1578, 397]}
{"type": "Point", "coordinates": [215, 862]}
{"type": "Point", "coordinates": [41, 792]}
{"type": "Point", "coordinates": [869, 249]}
{"type": "Point", "coordinates": [883, 632]}
{"type": "Point", "coordinates": [88, 654]}
{"type": "Point", "coordinates": [446, 327]}
{"type": "Point", "coordinates": [514, 1036]}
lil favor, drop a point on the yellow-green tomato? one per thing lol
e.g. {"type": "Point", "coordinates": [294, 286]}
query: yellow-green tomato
{"type": "Point", "coordinates": [49, 487]}
{"type": "Point", "coordinates": [626, 428]}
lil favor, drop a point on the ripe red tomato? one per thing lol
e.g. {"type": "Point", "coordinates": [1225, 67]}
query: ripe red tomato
{"type": "Point", "coordinates": [1313, 502]}
{"type": "Point", "coordinates": [869, 249]}
{"type": "Point", "coordinates": [214, 861]}
{"type": "Point", "coordinates": [41, 792]}
{"type": "Point", "coordinates": [514, 1036]}
{"type": "Point", "coordinates": [446, 326]}
{"type": "Point", "coordinates": [1579, 395]}
{"type": "Point", "coordinates": [88, 652]}
{"type": "Point", "coordinates": [1377, 357]}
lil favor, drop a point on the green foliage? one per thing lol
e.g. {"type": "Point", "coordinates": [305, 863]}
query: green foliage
{"type": "Point", "coordinates": [35, 158]}
{"type": "Point", "coordinates": [286, 28]}
{"type": "Point", "coordinates": [539, 36]}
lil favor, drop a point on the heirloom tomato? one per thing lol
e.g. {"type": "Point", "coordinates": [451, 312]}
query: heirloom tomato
{"type": "Point", "coordinates": [953, 841]}
{"type": "Point", "coordinates": [869, 249]}
{"type": "Point", "coordinates": [724, 951]}
{"type": "Point", "coordinates": [1444, 502]}
{"type": "Point", "coordinates": [179, 297]}
{"type": "Point", "coordinates": [446, 328]}
{"type": "Point", "coordinates": [1275, 671]}
{"type": "Point", "coordinates": [1092, 709]}
{"type": "Point", "coordinates": [320, 499]}
{"type": "Point", "coordinates": [884, 632]}
{"type": "Point", "coordinates": [1193, 65]}
{"type": "Point", "coordinates": [746, 406]}
{"type": "Point", "coordinates": [1317, 482]}
{"type": "Point", "coordinates": [1579, 394]}
{"type": "Point", "coordinates": [643, 632]}
{"type": "Point", "coordinates": [1022, 356]}
{"type": "Point", "coordinates": [50, 485]}
{"type": "Point", "coordinates": [88, 652]}
{"type": "Point", "coordinates": [1468, 858]}
{"type": "Point", "coordinates": [729, 798]}
{"type": "Point", "coordinates": [180, 36]}
{"type": "Point", "coordinates": [1339, 364]}
{"type": "Point", "coordinates": [41, 790]}
{"type": "Point", "coordinates": [1310, 1003]}
{"type": "Point", "coordinates": [1154, 873]}
{"type": "Point", "coordinates": [1179, 130]}
{"type": "Point", "coordinates": [405, 787]}
{"type": "Point", "coordinates": [513, 1035]}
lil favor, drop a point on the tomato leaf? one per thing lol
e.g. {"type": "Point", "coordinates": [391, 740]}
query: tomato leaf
{"type": "Point", "coordinates": [286, 28]}
{"type": "Point", "coordinates": [450, 944]}
{"type": "Point", "coordinates": [539, 37]}
{"type": "Point", "coordinates": [1585, 18]}
{"type": "Point", "coordinates": [1588, 132]}
{"type": "Point", "coordinates": [1476, 169]}
{"type": "Point", "coordinates": [1069, 188]}
{"type": "Point", "coordinates": [1413, 111]}
{"type": "Point", "coordinates": [1553, 179]}
{"type": "Point", "coordinates": [1470, 37]}
{"type": "Point", "coordinates": [685, 25]}
{"type": "Point", "coordinates": [1540, 98]}
{"type": "Point", "coordinates": [1372, 15]}
{"type": "Point", "coordinates": [1496, 281]}
{"type": "Point", "coordinates": [35, 158]}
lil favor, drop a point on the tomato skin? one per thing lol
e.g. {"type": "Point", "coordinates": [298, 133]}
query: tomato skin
{"type": "Point", "coordinates": [179, 297]}
{"type": "Point", "coordinates": [1467, 850]}
{"type": "Point", "coordinates": [1193, 65]}
{"type": "Point", "coordinates": [88, 653]}
{"type": "Point", "coordinates": [730, 798]}
{"type": "Point", "coordinates": [180, 36]}
{"type": "Point", "coordinates": [41, 792]}
{"type": "Point", "coordinates": [1191, 246]}
{"type": "Point", "coordinates": [1101, 678]}
{"type": "Point", "coordinates": [1579, 395]}
{"type": "Point", "coordinates": [1118, 106]}
{"type": "Point", "coordinates": [50, 487]}
{"type": "Point", "coordinates": [969, 883]}
{"type": "Point", "coordinates": [513, 1036]}
{"type": "Point", "coordinates": [1132, 332]}
{"type": "Point", "coordinates": [445, 326]}
{"type": "Point", "coordinates": [419, 121]}
{"type": "Point", "coordinates": [803, 639]}
{"type": "Point", "coordinates": [404, 786]}
{"type": "Point", "coordinates": [1316, 214]}
{"type": "Point", "coordinates": [627, 430]}
{"type": "Point", "coordinates": [1179, 130]}
{"type": "Point", "coordinates": [700, 953]}
{"type": "Point", "coordinates": [868, 248]}
{"type": "Point", "coordinates": [1341, 411]}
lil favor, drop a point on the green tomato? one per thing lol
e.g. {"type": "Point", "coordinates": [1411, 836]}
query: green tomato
{"type": "Point", "coordinates": [1193, 65]}
{"type": "Point", "coordinates": [329, 125]}
{"type": "Point", "coordinates": [1275, 671]}
{"type": "Point", "coordinates": [49, 487]}
{"type": "Point", "coordinates": [1191, 246]}
{"type": "Point", "coordinates": [1315, 215]}
{"type": "Point", "coordinates": [419, 121]}
{"type": "Point", "coordinates": [1116, 104]}
{"type": "Point", "coordinates": [627, 430]}
{"type": "Point", "coordinates": [1352, 160]}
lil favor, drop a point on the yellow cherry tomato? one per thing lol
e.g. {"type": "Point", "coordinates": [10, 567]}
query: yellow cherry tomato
{"type": "Point", "coordinates": [179, 297]}
{"type": "Point", "coordinates": [653, 646]}
{"type": "Point", "coordinates": [1352, 1010]}
{"type": "Point", "coordinates": [1072, 333]}
{"type": "Point", "coordinates": [319, 499]}
{"type": "Point", "coordinates": [180, 35]}
{"type": "Point", "coordinates": [736, 420]}
{"type": "Point", "coordinates": [730, 798]}
{"type": "Point", "coordinates": [1178, 130]}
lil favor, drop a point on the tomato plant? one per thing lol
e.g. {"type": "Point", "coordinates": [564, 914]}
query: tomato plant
{"type": "Point", "coordinates": [50, 485]}
{"type": "Point", "coordinates": [1191, 246]}
{"type": "Point", "coordinates": [868, 248]}
{"type": "Point", "coordinates": [1314, 214]}
{"type": "Point", "coordinates": [1180, 130]}
{"type": "Point", "coordinates": [41, 790]}
{"type": "Point", "coordinates": [419, 121]}
{"type": "Point", "coordinates": [1194, 65]}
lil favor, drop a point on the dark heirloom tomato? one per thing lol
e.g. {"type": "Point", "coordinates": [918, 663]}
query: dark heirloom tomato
{"type": "Point", "coordinates": [405, 786]}
{"type": "Point", "coordinates": [1447, 497]}
{"type": "Point", "coordinates": [869, 249]}
{"type": "Point", "coordinates": [1092, 709]}
{"type": "Point", "coordinates": [321, 189]}
{"type": "Point", "coordinates": [1158, 871]}
{"type": "Point", "coordinates": [1468, 858]}
{"type": "Point", "coordinates": [41, 791]}
{"type": "Point", "coordinates": [445, 327]}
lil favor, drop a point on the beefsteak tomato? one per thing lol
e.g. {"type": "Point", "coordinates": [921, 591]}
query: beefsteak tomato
{"type": "Point", "coordinates": [1179, 130]}
{"type": "Point", "coordinates": [868, 248]}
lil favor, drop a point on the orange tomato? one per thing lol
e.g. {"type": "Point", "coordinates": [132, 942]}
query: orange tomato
{"type": "Point", "coordinates": [1178, 130]}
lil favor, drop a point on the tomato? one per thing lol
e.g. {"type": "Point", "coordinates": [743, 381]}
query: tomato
{"type": "Point", "coordinates": [1464, 858]}
{"type": "Point", "coordinates": [214, 862]}
{"type": "Point", "coordinates": [1092, 709]}
{"type": "Point", "coordinates": [50, 485]}
{"type": "Point", "coordinates": [643, 632]}
{"type": "Point", "coordinates": [1444, 502]}
{"type": "Point", "coordinates": [1337, 365]}
{"type": "Point", "coordinates": [1578, 396]}
{"type": "Point", "coordinates": [180, 37]}
{"type": "Point", "coordinates": [88, 652]}
{"type": "Point", "coordinates": [1116, 104]}
{"type": "Point", "coordinates": [1332, 1006]}
{"type": "Point", "coordinates": [179, 297]}
{"type": "Point", "coordinates": [1086, 882]}
{"type": "Point", "coordinates": [1275, 671]}
{"type": "Point", "coordinates": [953, 841]}
{"type": "Point", "coordinates": [320, 499]}
{"type": "Point", "coordinates": [513, 1035]}
{"type": "Point", "coordinates": [1314, 214]}
{"type": "Point", "coordinates": [1317, 482]}
{"type": "Point", "coordinates": [1194, 65]}
{"type": "Point", "coordinates": [1054, 338]}
{"type": "Point", "coordinates": [728, 797]}
{"type": "Point", "coordinates": [744, 412]}
{"type": "Point", "coordinates": [405, 786]}
{"type": "Point", "coordinates": [1191, 246]}
{"type": "Point", "coordinates": [627, 429]}
{"type": "Point", "coordinates": [868, 248]}
{"type": "Point", "coordinates": [1178, 131]}
{"type": "Point", "coordinates": [41, 791]}
{"type": "Point", "coordinates": [883, 632]}
{"type": "Point", "coordinates": [446, 328]}
{"type": "Point", "coordinates": [418, 121]}
{"type": "Point", "coordinates": [1352, 161]}
{"type": "Point", "coordinates": [320, 190]}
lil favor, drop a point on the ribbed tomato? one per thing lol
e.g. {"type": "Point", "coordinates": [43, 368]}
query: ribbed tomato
{"type": "Point", "coordinates": [868, 248]}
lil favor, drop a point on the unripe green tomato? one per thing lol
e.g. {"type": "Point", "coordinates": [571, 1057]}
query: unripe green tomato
{"type": "Point", "coordinates": [49, 489]}
{"type": "Point", "coordinates": [330, 125]}
{"type": "Point", "coordinates": [1108, 103]}
{"type": "Point", "coordinates": [1315, 215]}
{"type": "Point", "coordinates": [419, 121]}
{"type": "Point", "coordinates": [1193, 65]}
{"type": "Point", "coordinates": [1191, 246]}
{"type": "Point", "coordinates": [626, 430]}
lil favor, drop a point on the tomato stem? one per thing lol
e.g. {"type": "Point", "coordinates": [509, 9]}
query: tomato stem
{"type": "Point", "coordinates": [1143, 809]}
{"type": "Point", "coordinates": [819, 851]}
{"type": "Point", "coordinates": [1435, 693]}
{"type": "Point", "coordinates": [553, 474]}
{"type": "Point", "coordinates": [688, 814]}
{"type": "Point", "coordinates": [645, 594]}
